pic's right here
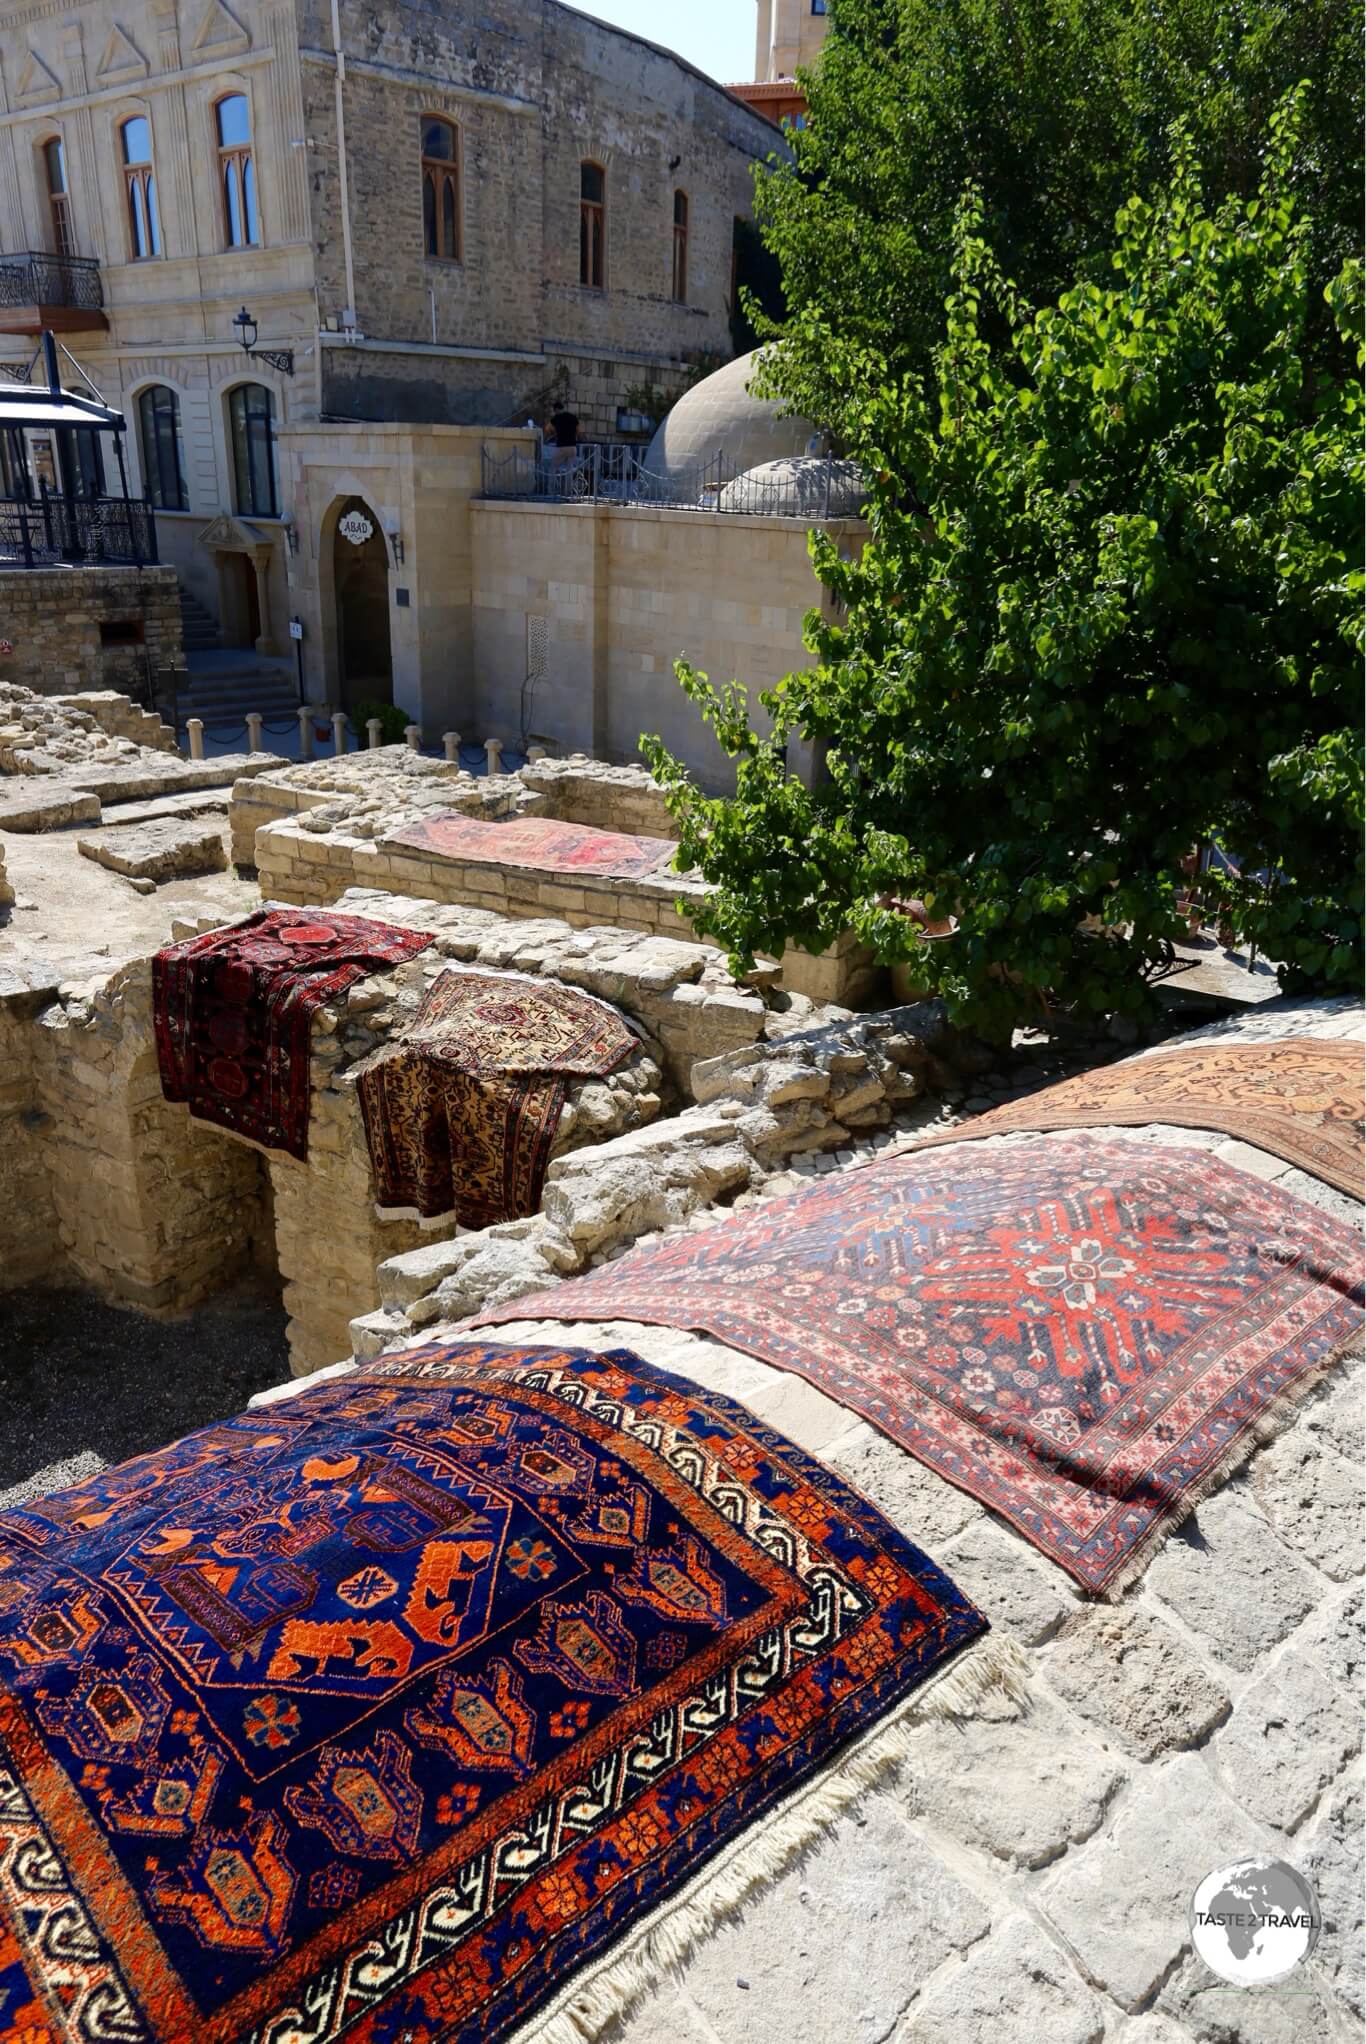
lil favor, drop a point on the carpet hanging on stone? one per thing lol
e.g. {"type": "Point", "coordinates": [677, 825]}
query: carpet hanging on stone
{"type": "Point", "coordinates": [1083, 1335]}
{"type": "Point", "coordinates": [1302, 1099]}
{"type": "Point", "coordinates": [538, 844]}
{"type": "Point", "coordinates": [380, 1712]}
{"type": "Point", "coordinates": [461, 1113]}
{"type": "Point", "coordinates": [233, 1011]}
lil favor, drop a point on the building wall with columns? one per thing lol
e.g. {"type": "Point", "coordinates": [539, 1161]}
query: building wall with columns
{"type": "Point", "coordinates": [789, 33]}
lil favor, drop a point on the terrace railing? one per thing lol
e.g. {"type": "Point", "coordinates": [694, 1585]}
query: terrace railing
{"type": "Point", "coordinates": [33, 277]}
{"type": "Point", "coordinates": [92, 531]}
{"type": "Point", "coordinates": [615, 472]}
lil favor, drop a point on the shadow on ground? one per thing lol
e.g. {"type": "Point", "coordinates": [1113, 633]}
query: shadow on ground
{"type": "Point", "coordinates": [79, 1378]}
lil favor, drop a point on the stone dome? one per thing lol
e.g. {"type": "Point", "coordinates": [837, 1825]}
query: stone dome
{"type": "Point", "coordinates": [718, 415]}
{"type": "Point", "coordinates": [799, 486]}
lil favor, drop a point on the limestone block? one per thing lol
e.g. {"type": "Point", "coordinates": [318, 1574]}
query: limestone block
{"type": "Point", "coordinates": [1226, 1541]}
{"type": "Point", "coordinates": [168, 850]}
{"type": "Point", "coordinates": [792, 1971]}
{"type": "Point", "coordinates": [1288, 1738]}
{"type": "Point", "coordinates": [1128, 1672]}
{"type": "Point", "coordinates": [1121, 1902]}
{"type": "Point", "coordinates": [1331, 1860]}
{"type": "Point", "coordinates": [36, 803]}
{"type": "Point", "coordinates": [1015, 1983]}
{"type": "Point", "coordinates": [1314, 1500]}
{"type": "Point", "coordinates": [1022, 1788]}
{"type": "Point", "coordinates": [997, 1569]}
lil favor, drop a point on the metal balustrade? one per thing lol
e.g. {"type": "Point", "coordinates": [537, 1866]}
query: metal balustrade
{"type": "Point", "coordinates": [614, 472]}
{"type": "Point", "coordinates": [33, 277]}
{"type": "Point", "coordinates": [50, 530]}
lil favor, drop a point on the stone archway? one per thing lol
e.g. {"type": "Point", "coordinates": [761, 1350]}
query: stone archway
{"type": "Point", "coordinates": [360, 575]}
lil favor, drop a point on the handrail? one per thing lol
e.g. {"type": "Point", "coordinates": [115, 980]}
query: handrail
{"type": "Point", "coordinates": [614, 472]}
{"type": "Point", "coordinates": [34, 277]}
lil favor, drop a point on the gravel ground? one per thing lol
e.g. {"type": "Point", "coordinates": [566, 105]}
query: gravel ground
{"type": "Point", "coordinates": [80, 1380]}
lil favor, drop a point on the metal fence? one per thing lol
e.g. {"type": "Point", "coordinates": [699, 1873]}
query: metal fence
{"type": "Point", "coordinates": [614, 472]}
{"type": "Point", "coordinates": [33, 277]}
{"type": "Point", "coordinates": [44, 531]}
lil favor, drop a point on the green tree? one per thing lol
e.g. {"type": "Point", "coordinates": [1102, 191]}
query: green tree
{"type": "Point", "coordinates": [1056, 111]}
{"type": "Point", "coordinates": [1123, 617]}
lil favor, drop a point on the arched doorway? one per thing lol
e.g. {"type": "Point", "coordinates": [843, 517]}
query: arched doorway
{"type": "Point", "coordinates": [360, 566]}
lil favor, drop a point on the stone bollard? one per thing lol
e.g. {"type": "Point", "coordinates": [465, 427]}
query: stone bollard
{"type": "Point", "coordinates": [494, 748]}
{"type": "Point", "coordinates": [413, 734]}
{"type": "Point", "coordinates": [254, 732]}
{"type": "Point", "coordinates": [305, 733]}
{"type": "Point", "coordinates": [339, 732]}
{"type": "Point", "coordinates": [374, 728]}
{"type": "Point", "coordinates": [535, 752]}
{"type": "Point", "coordinates": [451, 742]}
{"type": "Point", "coordinates": [194, 731]}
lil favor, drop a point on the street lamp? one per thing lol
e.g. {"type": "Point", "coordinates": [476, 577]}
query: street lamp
{"type": "Point", "coordinates": [278, 358]}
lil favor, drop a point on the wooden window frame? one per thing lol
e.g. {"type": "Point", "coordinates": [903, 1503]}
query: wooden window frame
{"type": "Point", "coordinates": [593, 231]}
{"type": "Point", "coordinates": [140, 184]}
{"type": "Point", "coordinates": [445, 176]}
{"type": "Point", "coordinates": [253, 509]}
{"type": "Point", "coordinates": [239, 159]}
{"type": "Point", "coordinates": [58, 203]}
{"type": "Point", "coordinates": [159, 428]}
{"type": "Point", "coordinates": [680, 247]}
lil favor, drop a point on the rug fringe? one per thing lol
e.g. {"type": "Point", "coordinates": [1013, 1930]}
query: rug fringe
{"type": "Point", "coordinates": [1283, 1411]}
{"type": "Point", "coordinates": [994, 1666]}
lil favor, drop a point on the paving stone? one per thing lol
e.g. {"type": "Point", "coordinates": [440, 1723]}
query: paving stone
{"type": "Point", "coordinates": [36, 802]}
{"type": "Point", "coordinates": [1288, 1738]}
{"type": "Point", "coordinates": [1122, 1901]}
{"type": "Point", "coordinates": [1014, 1984]}
{"type": "Point", "coordinates": [166, 850]}
{"type": "Point", "coordinates": [1153, 2029]}
{"type": "Point", "coordinates": [797, 1409]}
{"type": "Point", "coordinates": [1331, 1860]}
{"type": "Point", "coordinates": [833, 1951]}
{"type": "Point", "coordinates": [1313, 1499]}
{"type": "Point", "coordinates": [1126, 1670]}
{"type": "Point", "coordinates": [1300, 2010]}
{"type": "Point", "coordinates": [922, 1504]}
{"type": "Point", "coordinates": [663, 2015]}
{"type": "Point", "coordinates": [1337, 1641]}
{"type": "Point", "coordinates": [1021, 1786]}
{"type": "Point", "coordinates": [1339, 1412]}
{"type": "Point", "coordinates": [995, 1568]}
{"type": "Point", "coordinates": [1228, 1577]}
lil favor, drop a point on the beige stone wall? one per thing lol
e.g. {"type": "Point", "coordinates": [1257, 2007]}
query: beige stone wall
{"type": "Point", "coordinates": [52, 617]}
{"type": "Point", "coordinates": [120, 717]}
{"type": "Point", "coordinates": [790, 33]}
{"type": "Point", "coordinates": [624, 592]}
{"type": "Point", "coordinates": [29, 1249]}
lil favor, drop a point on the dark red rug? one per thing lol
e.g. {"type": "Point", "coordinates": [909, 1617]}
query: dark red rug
{"type": "Point", "coordinates": [1083, 1335]}
{"type": "Point", "coordinates": [378, 1713]}
{"type": "Point", "coordinates": [462, 1112]}
{"type": "Point", "coordinates": [233, 1012]}
{"type": "Point", "coordinates": [539, 845]}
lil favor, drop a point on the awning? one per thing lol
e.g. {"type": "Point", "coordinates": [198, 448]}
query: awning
{"type": "Point", "coordinates": [28, 404]}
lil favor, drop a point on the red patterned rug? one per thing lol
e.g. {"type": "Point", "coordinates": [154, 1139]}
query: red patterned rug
{"type": "Point", "coordinates": [1301, 1099]}
{"type": "Point", "coordinates": [538, 845]}
{"type": "Point", "coordinates": [233, 1013]}
{"type": "Point", "coordinates": [1083, 1335]}
{"type": "Point", "coordinates": [379, 1713]}
{"type": "Point", "coordinates": [461, 1113]}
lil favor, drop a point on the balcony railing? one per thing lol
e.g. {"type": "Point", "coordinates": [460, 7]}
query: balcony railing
{"type": "Point", "coordinates": [614, 472]}
{"type": "Point", "coordinates": [61, 292]}
{"type": "Point", "coordinates": [50, 531]}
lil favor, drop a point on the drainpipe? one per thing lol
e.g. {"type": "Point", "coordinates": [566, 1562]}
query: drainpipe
{"type": "Point", "coordinates": [340, 56]}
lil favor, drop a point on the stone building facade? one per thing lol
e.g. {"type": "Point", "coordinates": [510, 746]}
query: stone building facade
{"type": "Point", "coordinates": [448, 215]}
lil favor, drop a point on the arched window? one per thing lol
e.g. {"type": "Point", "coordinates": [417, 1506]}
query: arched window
{"type": "Point", "coordinates": [237, 172]}
{"type": "Point", "coordinates": [58, 198]}
{"type": "Point", "coordinates": [442, 227]}
{"type": "Point", "coordinates": [163, 457]}
{"type": "Point", "coordinates": [251, 420]}
{"type": "Point", "coordinates": [140, 188]}
{"type": "Point", "coordinates": [592, 225]}
{"type": "Point", "coordinates": [681, 247]}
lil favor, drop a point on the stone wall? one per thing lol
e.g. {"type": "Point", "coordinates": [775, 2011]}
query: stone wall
{"type": "Point", "coordinates": [120, 717]}
{"type": "Point", "coordinates": [390, 783]}
{"type": "Point", "coordinates": [588, 791]}
{"type": "Point", "coordinates": [52, 618]}
{"type": "Point", "coordinates": [28, 1221]}
{"type": "Point", "coordinates": [597, 601]}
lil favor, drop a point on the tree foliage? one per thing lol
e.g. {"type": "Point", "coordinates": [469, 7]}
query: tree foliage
{"type": "Point", "coordinates": [1118, 615]}
{"type": "Point", "coordinates": [1056, 111]}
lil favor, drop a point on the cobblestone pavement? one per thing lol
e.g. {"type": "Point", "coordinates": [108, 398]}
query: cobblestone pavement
{"type": "Point", "coordinates": [1028, 1874]}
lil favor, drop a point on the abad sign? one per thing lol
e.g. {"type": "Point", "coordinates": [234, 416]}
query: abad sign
{"type": "Point", "coordinates": [356, 527]}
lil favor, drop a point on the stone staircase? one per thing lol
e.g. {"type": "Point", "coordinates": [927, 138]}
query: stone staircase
{"type": "Point", "coordinates": [198, 628]}
{"type": "Point", "coordinates": [230, 682]}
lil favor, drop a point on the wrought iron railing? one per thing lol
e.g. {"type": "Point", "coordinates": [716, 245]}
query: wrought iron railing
{"type": "Point", "coordinates": [32, 277]}
{"type": "Point", "coordinates": [43, 532]}
{"type": "Point", "coordinates": [615, 472]}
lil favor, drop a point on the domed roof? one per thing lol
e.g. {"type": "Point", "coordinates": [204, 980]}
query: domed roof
{"type": "Point", "coordinates": [720, 414]}
{"type": "Point", "coordinates": [800, 486]}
